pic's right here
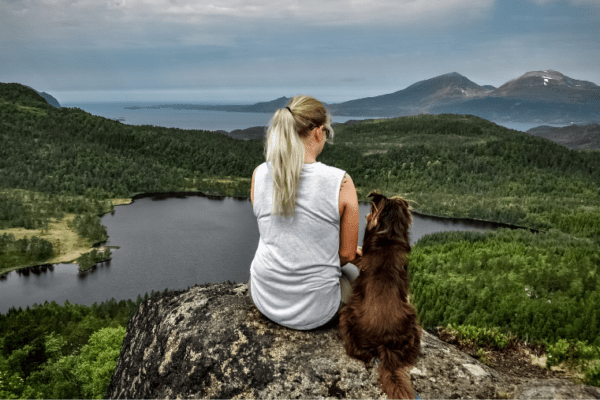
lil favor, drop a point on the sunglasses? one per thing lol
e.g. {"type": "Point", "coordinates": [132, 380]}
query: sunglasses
{"type": "Point", "coordinates": [327, 132]}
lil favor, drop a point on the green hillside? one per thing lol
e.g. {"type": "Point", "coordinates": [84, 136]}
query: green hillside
{"type": "Point", "coordinates": [464, 166]}
{"type": "Point", "coordinates": [61, 168]}
{"type": "Point", "coordinates": [460, 166]}
{"type": "Point", "coordinates": [69, 151]}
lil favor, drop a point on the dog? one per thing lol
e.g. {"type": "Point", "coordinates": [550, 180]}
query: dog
{"type": "Point", "coordinates": [378, 321]}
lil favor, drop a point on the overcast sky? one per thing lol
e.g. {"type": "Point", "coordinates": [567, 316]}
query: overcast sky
{"type": "Point", "coordinates": [257, 50]}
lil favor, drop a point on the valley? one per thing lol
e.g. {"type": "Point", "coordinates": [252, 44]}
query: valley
{"type": "Point", "coordinates": [540, 286]}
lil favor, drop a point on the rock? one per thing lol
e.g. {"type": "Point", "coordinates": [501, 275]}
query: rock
{"type": "Point", "coordinates": [211, 342]}
{"type": "Point", "coordinates": [556, 389]}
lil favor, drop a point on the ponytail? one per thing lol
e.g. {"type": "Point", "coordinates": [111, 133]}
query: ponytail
{"type": "Point", "coordinates": [284, 148]}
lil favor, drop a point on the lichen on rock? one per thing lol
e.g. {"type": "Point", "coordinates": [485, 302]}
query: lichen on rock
{"type": "Point", "coordinates": [211, 342]}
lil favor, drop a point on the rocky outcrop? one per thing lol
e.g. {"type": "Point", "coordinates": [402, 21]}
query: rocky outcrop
{"type": "Point", "coordinates": [211, 342]}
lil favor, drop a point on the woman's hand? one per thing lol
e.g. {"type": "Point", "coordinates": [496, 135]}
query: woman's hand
{"type": "Point", "coordinates": [358, 257]}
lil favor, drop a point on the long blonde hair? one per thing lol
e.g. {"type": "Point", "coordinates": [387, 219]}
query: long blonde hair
{"type": "Point", "coordinates": [284, 148]}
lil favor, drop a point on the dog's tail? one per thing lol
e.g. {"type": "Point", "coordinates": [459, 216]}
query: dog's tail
{"type": "Point", "coordinates": [394, 379]}
{"type": "Point", "coordinates": [396, 358]}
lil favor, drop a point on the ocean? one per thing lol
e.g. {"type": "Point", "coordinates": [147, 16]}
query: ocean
{"type": "Point", "coordinates": [184, 119]}
{"type": "Point", "coordinates": [206, 120]}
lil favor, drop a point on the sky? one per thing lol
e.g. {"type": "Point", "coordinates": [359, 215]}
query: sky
{"type": "Point", "coordinates": [246, 51]}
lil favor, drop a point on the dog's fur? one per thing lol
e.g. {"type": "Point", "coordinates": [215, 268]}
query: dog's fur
{"type": "Point", "coordinates": [378, 321]}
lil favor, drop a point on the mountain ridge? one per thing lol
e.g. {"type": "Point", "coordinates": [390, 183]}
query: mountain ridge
{"type": "Point", "coordinates": [420, 96]}
{"type": "Point", "coordinates": [544, 97]}
{"type": "Point", "coordinates": [537, 96]}
{"type": "Point", "coordinates": [549, 85]}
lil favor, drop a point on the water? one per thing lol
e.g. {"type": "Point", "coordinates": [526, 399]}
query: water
{"type": "Point", "coordinates": [184, 119]}
{"type": "Point", "coordinates": [173, 243]}
{"type": "Point", "coordinates": [523, 126]}
{"type": "Point", "coordinates": [210, 120]}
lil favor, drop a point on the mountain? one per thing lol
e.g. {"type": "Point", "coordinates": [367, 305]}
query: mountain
{"type": "Point", "coordinates": [264, 107]}
{"type": "Point", "coordinates": [415, 99]}
{"type": "Point", "coordinates": [537, 96]}
{"type": "Point", "coordinates": [444, 89]}
{"type": "Point", "coordinates": [51, 100]}
{"type": "Point", "coordinates": [577, 137]}
{"type": "Point", "coordinates": [549, 85]}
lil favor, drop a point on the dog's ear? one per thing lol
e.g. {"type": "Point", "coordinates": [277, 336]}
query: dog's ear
{"type": "Point", "coordinates": [378, 202]}
{"type": "Point", "coordinates": [376, 197]}
{"type": "Point", "coordinates": [404, 208]}
{"type": "Point", "coordinates": [401, 202]}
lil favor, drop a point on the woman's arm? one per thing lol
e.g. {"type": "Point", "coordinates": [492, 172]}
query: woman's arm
{"type": "Point", "coordinates": [252, 187]}
{"type": "Point", "coordinates": [348, 204]}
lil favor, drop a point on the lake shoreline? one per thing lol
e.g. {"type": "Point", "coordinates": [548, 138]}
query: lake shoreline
{"type": "Point", "coordinates": [183, 194]}
{"type": "Point", "coordinates": [158, 196]}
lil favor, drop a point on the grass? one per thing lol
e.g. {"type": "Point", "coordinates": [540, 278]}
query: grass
{"type": "Point", "coordinates": [68, 245]}
{"type": "Point", "coordinates": [120, 202]}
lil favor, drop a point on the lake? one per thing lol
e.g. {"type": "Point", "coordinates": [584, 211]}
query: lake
{"type": "Point", "coordinates": [173, 243]}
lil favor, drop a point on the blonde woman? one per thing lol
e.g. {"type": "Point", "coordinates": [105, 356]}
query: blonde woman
{"type": "Point", "coordinates": [307, 216]}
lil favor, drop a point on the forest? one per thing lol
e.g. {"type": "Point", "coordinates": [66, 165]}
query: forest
{"type": "Point", "coordinates": [68, 351]}
{"type": "Point", "coordinates": [65, 164]}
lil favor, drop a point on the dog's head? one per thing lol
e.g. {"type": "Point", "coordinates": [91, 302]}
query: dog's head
{"type": "Point", "coordinates": [389, 220]}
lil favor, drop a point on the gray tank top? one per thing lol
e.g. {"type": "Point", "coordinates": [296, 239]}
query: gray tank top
{"type": "Point", "coordinates": [295, 273]}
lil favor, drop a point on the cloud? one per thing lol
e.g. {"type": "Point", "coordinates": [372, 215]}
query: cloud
{"type": "Point", "coordinates": [583, 3]}
{"type": "Point", "coordinates": [311, 11]}
{"type": "Point", "coordinates": [543, 2]}
{"type": "Point", "coordinates": [139, 19]}
{"type": "Point", "coordinates": [389, 44]}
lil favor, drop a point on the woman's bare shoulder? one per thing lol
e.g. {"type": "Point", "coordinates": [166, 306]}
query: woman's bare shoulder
{"type": "Point", "coordinates": [345, 182]}
{"type": "Point", "coordinates": [348, 195]}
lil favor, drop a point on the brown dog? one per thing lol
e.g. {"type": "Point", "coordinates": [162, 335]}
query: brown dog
{"type": "Point", "coordinates": [378, 321]}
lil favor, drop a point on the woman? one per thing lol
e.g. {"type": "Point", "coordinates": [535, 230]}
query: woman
{"type": "Point", "coordinates": [307, 216]}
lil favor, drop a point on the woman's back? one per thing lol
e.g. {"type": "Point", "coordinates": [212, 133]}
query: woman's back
{"type": "Point", "coordinates": [295, 272]}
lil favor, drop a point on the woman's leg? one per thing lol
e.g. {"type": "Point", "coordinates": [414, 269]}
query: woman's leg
{"type": "Point", "coordinates": [349, 274]}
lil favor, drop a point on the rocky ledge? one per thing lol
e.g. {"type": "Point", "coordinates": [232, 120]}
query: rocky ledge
{"type": "Point", "coordinates": [211, 342]}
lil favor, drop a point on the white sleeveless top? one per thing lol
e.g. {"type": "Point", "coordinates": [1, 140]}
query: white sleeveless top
{"type": "Point", "coordinates": [295, 272]}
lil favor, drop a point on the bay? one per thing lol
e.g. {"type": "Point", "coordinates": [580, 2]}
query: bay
{"type": "Point", "coordinates": [210, 120]}
{"type": "Point", "coordinates": [180, 118]}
